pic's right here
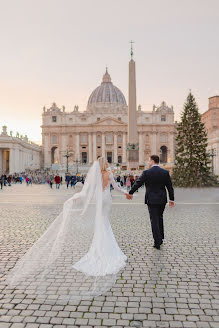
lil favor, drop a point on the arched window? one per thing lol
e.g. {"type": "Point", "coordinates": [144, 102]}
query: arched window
{"type": "Point", "coordinates": [163, 154]}
{"type": "Point", "coordinates": [163, 138]}
{"type": "Point", "coordinates": [109, 156]}
{"type": "Point", "coordinates": [84, 157]}
{"type": "Point", "coordinates": [54, 155]}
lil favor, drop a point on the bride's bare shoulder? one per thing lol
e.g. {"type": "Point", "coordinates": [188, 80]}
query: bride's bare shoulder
{"type": "Point", "coordinates": [106, 174]}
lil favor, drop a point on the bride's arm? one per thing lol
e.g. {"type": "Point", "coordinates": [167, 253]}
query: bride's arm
{"type": "Point", "coordinates": [115, 185]}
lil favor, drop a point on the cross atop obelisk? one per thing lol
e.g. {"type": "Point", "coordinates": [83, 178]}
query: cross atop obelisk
{"type": "Point", "coordinates": [132, 49]}
{"type": "Point", "coordinates": [132, 116]}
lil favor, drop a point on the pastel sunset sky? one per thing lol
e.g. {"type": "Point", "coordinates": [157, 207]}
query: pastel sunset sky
{"type": "Point", "coordinates": [57, 51]}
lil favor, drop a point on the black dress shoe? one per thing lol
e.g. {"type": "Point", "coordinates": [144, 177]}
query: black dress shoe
{"type": "Point", "coordinates": [156, 246]}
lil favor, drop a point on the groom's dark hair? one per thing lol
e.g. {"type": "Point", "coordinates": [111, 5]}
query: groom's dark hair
{"type": "Point", "coordinates": [155, 158]}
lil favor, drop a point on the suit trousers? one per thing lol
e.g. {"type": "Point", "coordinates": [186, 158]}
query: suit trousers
{"type": "Point", "coordinates": [156, 218]}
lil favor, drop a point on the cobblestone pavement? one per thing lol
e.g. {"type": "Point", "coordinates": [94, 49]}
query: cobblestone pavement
{"type": "Point", "coordinates": [173, 287]}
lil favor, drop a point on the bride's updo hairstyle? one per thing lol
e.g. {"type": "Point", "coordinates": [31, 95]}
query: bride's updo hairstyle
{"type": "Point", "coordinates": [102, 163]}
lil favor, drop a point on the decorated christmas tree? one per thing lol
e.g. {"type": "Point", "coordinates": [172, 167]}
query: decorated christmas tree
{"type": "Point", "coordinates": [192, 161]}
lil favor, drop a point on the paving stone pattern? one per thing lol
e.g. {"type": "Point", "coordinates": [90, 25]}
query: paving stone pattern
{"type": "Point", "coordinates": [174, 287]}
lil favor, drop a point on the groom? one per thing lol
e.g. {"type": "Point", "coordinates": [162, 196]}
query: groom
{"type": "Point", "coordinates": [156, 181]}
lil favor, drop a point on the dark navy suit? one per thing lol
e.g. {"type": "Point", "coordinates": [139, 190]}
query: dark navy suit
{"type": "Point", "coordinates": [156, 181]}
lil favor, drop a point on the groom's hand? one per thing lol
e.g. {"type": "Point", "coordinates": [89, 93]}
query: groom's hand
{"type": "Point", "coordinates": [129, 196]}
{"type": "Point", "coordinates": [171, 204]}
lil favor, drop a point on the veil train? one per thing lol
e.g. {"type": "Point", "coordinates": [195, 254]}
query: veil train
{"type": "Point", "coordinates": [46, 271]}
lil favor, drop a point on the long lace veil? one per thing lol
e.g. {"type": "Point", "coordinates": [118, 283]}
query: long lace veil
{"type": "Point", "coordinates": [46, 271]}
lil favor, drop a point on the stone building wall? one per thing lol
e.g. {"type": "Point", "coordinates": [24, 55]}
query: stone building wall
{"type": "Point", "coordinates": [17, 153]}
{"type": "Point", "coordinates": [211, 120]}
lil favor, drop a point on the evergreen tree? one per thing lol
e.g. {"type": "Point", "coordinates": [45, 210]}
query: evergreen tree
{"type": "Point", "coordinates": [192, 161]}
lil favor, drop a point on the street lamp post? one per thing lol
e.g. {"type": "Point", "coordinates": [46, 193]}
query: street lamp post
{"type": "Point", "coordinates": [212, 155]}
{"type": "Point", "coordinates": [67, 155]}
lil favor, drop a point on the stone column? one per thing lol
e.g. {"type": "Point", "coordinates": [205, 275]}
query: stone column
{"type": "Point", "coordinates": [63, 148]}
{"type": "Point", "coordinates": [1, 161]}
{"type": "Point", "coordinates": [103, 144]}
{"type": "Point", "coordinates": [24, 159]}
{"type": "Point", "coordinates": [216, 158]}
{"type": "Point", "coordinates": [90, 148]}
{"type": "Point", "coordinates": [115, 157]}
{"type": "Point", "coordinates": [17, 161]}
{"type": "Point", "coordinates": [21, 160]}
{"type": "Point", "coordinates": [77, 147]}
{"type": "Point", "coordinates": [141, 148]}
{"type": "Point", "coordinates": [124, 146]}
{"type": "Point", "coordinates": [12, 161]}
{"type": "Point", "coordinates": [171, 150]}
{"type": "Point", "coordinates": [94, 146]}
{"type": "Point", "coordinates": [46, 151]}
{"type": "Point", "coordinates": [154, 144]}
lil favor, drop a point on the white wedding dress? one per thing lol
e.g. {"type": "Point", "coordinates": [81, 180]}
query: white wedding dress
{"type": "Point", "coordinates": [78, 255]}
{"type": "Point", "coordinates": [104, 256]}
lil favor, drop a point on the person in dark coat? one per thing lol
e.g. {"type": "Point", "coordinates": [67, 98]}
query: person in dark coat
{"type": "Point", "coordinates": [2, 181]}
{"type": "Point", "coordinates": [67, 179]}
{"type": "Point", "coordinates": [156, 181]}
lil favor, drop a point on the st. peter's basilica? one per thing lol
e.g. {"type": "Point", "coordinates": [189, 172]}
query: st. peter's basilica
{"type": "Point", "coordinates": [101, 130]}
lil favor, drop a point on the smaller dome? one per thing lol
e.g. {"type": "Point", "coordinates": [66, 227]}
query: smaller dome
{"type": "Point", "coordinates": [106, 93]}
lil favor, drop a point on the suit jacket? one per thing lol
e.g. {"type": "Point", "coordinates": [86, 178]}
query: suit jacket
{"type": "Point", "coordinates": [156, 181]}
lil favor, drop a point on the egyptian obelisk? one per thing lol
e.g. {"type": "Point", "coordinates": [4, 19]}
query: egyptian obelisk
{"type": "Point", "coordinates": [132, 118]}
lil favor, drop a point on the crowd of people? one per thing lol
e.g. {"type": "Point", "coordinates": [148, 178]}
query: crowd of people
{"type": "Point", "coordinates": [41, 177]}
{"type": "Point", "coordinates": [70, 180]}
{"type": "Point", "coordinates": [56, 180]}
{"type": "Point", "coordinates": [126, 181]}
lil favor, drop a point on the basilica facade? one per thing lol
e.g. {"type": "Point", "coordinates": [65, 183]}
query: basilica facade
{"type": "Point", "coordinates": [101, 130]}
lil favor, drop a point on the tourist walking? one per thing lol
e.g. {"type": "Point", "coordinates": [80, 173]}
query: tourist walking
{"type": "Point", "coordinates": [51, 180]}
{"type": "Point", "coordinates": [9, 180]}
{"type": "Point", "coordinates": [2, 181]}
{"type": "Point", "coordinates": [57, 181]}
{"type": "Point", "coordinates": [73, 181]}
{"type": "Point", "coordinates": [27, 180]}
{"type": "Point", "coordinates": [67, 179]}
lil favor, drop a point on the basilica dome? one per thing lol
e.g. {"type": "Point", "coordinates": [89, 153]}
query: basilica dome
{"type": "Point", "coordinates": [106, 93]}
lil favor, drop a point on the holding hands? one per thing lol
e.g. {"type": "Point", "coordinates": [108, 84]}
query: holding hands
{"type": "Point", "coordinates": [171, 203]}
{"type": "Point", "coordinates": [128, 196]}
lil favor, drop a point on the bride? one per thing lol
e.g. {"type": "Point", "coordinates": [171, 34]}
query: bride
{"type": "Point", "coordinates": [78, 255]}
{"type": "Point", "coordinates": [104, 256]}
